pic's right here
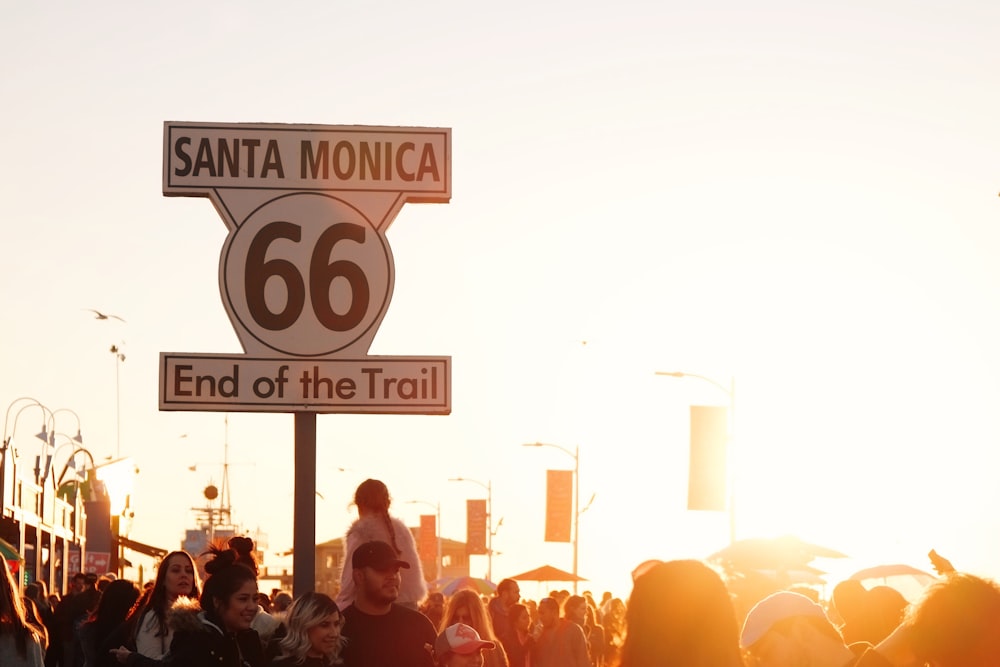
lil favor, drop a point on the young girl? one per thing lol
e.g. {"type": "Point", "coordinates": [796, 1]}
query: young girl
{"type": "Point", "coordinates": [313, 636]}
{"type": "Point", "coordinates": [375, 523]}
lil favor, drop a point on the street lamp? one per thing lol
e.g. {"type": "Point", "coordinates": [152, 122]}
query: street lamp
{"type": "Point", "coordinates": [730, 393]}
{"type": "Point", "coordinates": [48, 436]}
{"type": "Point", "coordinates": [49, 427]}
{"type": "Point", "coordinates": [119, 358]}
{"type": "Point", "coordinates": [576, 500]}
{"type": "Point", "coordinates": [9, 435]}
{"type": "Point", "coordinates": [440, 553]}
{"type": "Point", "coordinates": [488, 485]}
{"type": "Point", "coordinates": [71, 463]}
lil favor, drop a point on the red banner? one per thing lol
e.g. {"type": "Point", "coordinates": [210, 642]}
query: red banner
{"type": "Point", "coordinates": [707, 468]}
{"type": "Point", "coordinates": [558, 505]}
{"type": "Point", "coordinates": [428, 538]}
{"type": "Point", "coordinates": [475, 540]}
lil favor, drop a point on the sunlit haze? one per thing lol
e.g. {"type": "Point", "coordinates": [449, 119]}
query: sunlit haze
{"type": "Point", "coordinates": [796, 198]}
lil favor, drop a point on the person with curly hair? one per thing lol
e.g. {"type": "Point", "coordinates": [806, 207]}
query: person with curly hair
{"type": "Point", "coordinates": [312, 637]}
{"type": "Point", "coordinates": [375, 523]}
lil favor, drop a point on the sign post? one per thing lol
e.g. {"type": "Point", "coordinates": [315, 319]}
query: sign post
{"type": "Point", "coordinates": [306, 275]}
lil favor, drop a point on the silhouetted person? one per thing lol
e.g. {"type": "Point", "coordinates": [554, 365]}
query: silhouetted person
{"type": "Point", "coordinates": [561, 642]}
{"type": "Point", "coordinates": [680, 614]}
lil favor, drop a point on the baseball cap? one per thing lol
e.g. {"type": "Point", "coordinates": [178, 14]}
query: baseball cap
{"type": "Point", "coordinates": [774, 608]}
{"type": "Point", "coordinates": [376, 554]}
{"type": "Point", "coordinates": [461, 639]}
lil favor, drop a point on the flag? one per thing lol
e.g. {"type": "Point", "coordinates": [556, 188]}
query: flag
{"type": "Point", "coordinates": [558, 505]}
{"type": "Point", "coordinates": [707, 479]}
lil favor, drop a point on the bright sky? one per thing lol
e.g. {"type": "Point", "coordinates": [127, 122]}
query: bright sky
{"type": "Point", "coordinates": [799, 196]}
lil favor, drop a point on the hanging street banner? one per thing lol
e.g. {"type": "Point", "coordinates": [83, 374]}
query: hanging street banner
{"type": "Point", "coordinates": [306, 273]}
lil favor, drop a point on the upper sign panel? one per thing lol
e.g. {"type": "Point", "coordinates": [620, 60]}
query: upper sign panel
{"type": "Point", "coordinates": [409, 160]}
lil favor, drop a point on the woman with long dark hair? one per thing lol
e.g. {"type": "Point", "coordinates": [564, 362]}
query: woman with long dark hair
{"type": "Point", "coordinates": [375, 523]}
{"type": "Point", "coordinates": [20, 641]}
{"type": "Point", "coordinates": [105, 628]}
{"type": "Point", "coordinates": [177, 577]}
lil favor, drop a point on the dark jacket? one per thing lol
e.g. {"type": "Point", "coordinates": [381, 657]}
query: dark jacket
{"type": "Point", "coordinates": [198, 642]}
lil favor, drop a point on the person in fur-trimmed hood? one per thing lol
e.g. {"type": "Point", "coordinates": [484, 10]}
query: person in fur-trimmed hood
{"type": "Point", "coordinates": [375, 523]}
{"type": "Point", "coordinates": [216, 632]}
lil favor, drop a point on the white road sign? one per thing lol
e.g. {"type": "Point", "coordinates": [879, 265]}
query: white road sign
{"type": "Point", "coordinates": [306, 271]}
{"type": "Point", "coordinates": [377, 384]}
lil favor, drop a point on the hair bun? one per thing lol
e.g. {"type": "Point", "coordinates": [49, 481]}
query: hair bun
{"type": "Point", "coordinates": [221, 559]}
{"type": "Point", "coordinates": [241, 545]}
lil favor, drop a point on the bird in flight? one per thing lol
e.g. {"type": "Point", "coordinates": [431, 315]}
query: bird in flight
{"type": "Point", "coordinates": [98, 315]}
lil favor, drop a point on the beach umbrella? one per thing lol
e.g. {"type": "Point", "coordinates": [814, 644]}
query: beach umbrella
{"type": "Point", "coordinates": [481, 586]}
{"type": "Point", "coordinates": [906, 579]}
{"type": "Point", "coordinates": [778, 553]}
{"type": "Point", "coordinates": [9, 551]}
{"type": "Point", "coordinates": [546, 573]}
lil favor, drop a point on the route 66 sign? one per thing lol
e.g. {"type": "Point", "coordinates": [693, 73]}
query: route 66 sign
{"type": "Point", "coordinates": [306, 273]}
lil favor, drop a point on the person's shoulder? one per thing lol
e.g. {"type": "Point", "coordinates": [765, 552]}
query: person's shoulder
{"type": "Point", "coordinates": [185, 616]}
{"type": "Point", "coordinates": [412, 616]}
{"type": "Point", "coordinates": [403, 610]}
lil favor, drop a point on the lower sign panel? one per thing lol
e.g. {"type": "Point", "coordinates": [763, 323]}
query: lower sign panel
{"type": "Point", "coordinates": [240, 383]}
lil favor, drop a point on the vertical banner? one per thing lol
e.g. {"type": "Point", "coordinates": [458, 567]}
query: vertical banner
{"type": "Point", "coordinates": [475, 540]}
{"type": "Point", "coordinates": [427, 545]}
{"type": "Point", "coordinates": [707, 469]}
{"type": "Point", "coordinates": [558, 505]}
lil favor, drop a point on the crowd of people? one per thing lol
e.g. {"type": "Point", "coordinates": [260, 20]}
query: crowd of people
{"type": "Point", "coordinates": [680, 613]}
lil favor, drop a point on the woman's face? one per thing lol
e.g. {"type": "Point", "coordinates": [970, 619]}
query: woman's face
{"type": "Point", "coordinates": [180, 576]}
{"type": "Point", "coordinates": [522, 621]}
{"type": "Point", "coordinates": [238, 611]}
{"type": "Point", "coordinates": [323, 636]}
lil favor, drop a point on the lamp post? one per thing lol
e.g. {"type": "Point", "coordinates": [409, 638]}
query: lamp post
{"type": "Point", "coordinates": [71, 462]}
{"type": "Point", "coordinates": [488, 485]}
{"type": "Point", "coordinates": [48, 436]}
{"type": "Point", "coordinates": [576, 500]}
{"type": "Point", "coordinates": [78, 502]}
{"type": "Point", "coordinates": [119, 358]}
{"type": "Point", "coordinates": [730, 393]}
{"type": "Point", "coordinates": [440, 553]}
{"type": "Point", "coordinates": [8, 436]}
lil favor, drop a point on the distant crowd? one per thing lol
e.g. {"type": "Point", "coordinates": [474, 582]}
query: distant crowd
{"type": "Point", "coordinates": [679, 613]}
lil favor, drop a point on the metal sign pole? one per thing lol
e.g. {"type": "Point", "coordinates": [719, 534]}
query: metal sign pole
{"type": "Point", "coordinates": [304, 528]}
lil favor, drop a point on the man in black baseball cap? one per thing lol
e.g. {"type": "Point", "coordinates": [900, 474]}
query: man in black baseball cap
{"type": "Point", "coordinates": [379, 632]}
{"type": "Point", "coordinates": [377, 555]}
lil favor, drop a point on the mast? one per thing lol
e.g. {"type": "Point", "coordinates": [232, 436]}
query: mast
{"type": "Point", "coordinates": [225, 501]}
